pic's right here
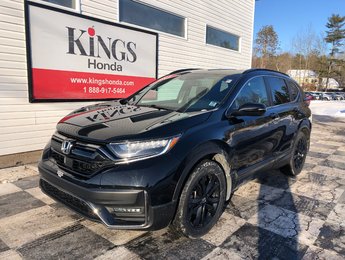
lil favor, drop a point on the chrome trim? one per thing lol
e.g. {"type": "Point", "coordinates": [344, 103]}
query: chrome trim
{"type": "Point", "coordinates": [104, 215]}
{"type": "Point", "coordinates": [67, 146]}
{"type": "Point", "coordinates": [110, 156]}
{"type": "Point", "coordinates": [97, 148]}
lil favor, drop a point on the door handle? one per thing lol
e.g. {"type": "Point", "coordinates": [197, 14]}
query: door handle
{"type": "Point", "coordinates": [274, 115]}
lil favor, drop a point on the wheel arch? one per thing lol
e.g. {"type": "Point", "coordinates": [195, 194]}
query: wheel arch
{"type": "Point", "coordinates": [214, 150]}
{"type": "Point", "coordinates": [305, 127]}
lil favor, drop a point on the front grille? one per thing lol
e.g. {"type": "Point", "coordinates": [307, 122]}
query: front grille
{"type": "Point", "coordinates": [87, 167]}
{"type": "Point", "coordinates": [67, 199]}
{"type": "Point", "coordinates": [83, 161]}
{"type": "Point", "coordinates": [57, 157]}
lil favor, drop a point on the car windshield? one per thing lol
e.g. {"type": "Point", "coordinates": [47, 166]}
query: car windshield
{"type": "Point", "coordinates": [187, 92]}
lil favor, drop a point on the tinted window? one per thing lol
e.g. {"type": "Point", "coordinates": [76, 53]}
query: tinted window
{"type": "Point", "coordinates": [253, 92]}
{"type": "Point", "coordinates": [222, 39]}
{"type": "Point", "coordinates": [66, 3]}
{"type": "Point", "coordinates": [293, 90]}
{"type": "Point", "coordinates": [153, 18]}
{"type": "Point", "coordinates": [279, 90]}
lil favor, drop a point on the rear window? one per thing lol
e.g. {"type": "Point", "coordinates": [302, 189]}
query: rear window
{"type": "Point", "coordinates": [293, 90]}
{"type": "Point", "coordinates": [279, 90]}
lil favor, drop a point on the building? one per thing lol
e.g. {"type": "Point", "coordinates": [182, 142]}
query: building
{"type": "Point", "coordinates": [202, 34]}
{"type": "Point", "coordinates": [304, 77]}
{"type": "Point", "coordinates": [332, 83]}
{"type": "Point", "coordinates": [311, 78]}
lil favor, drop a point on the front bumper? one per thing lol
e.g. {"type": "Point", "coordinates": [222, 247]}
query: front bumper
{"type": "Point", "coordinates": [134, 210]}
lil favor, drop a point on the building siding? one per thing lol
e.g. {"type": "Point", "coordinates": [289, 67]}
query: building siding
{"type": "Point", "coordinates": [27, 127]}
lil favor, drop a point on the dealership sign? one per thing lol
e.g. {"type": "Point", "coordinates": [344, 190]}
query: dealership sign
{"type": "Point", "coordinates": [76, 57]}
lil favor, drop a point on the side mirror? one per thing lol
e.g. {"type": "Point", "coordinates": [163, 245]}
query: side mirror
{"type": "Point", "coordinates": [250, 109]}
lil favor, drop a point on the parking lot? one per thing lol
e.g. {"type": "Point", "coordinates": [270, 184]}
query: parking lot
{"type": "Point", "coordinates": [273, 216]}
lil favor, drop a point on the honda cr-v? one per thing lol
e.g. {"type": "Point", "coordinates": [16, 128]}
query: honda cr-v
{"type": "Point", "coordinates": [174, 152]}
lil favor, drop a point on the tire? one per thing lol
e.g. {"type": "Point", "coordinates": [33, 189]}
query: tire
{"type": "Point", "coordinates": [202, 200]}
{"type": "Point", "coordinates": [299, 153]}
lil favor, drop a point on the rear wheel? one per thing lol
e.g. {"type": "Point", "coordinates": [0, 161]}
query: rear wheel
{"type": "Point", "coordinates": [298, 157]}
{"type": "Point", "coordinates": [202, 200]}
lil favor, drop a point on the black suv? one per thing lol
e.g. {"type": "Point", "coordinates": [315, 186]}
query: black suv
{"type": "Point", "coordinates": [175, 151]}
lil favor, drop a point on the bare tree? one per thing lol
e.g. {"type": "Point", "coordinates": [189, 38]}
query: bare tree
{"type": "Point", "coordinates": [304, 44]}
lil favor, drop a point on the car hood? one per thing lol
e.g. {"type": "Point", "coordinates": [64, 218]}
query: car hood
{"type": "Point", "coordinates": [113, 121]}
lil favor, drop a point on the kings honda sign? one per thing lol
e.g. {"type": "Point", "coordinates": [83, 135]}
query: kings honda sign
{"type": "Point", "coordinates": [76, 57]}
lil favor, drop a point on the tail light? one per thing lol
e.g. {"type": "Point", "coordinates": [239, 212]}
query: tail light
{"type": "Point", "coordinates": [307, 100]}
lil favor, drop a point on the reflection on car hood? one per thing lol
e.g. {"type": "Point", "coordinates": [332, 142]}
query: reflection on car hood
{"type": "Point", "coordinates": [113, 121]}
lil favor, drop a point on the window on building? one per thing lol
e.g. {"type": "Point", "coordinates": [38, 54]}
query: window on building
{"type": "Point", "coordinates": [279, 90]}
{"type": "Point", "coordinates": [143, 15]}
{"type": "Point", "coordinates": [222, 39]}
{"type": "Point", "coordinates": [65, 3]}
{"type": "Point", "coordinates": [253, 92]}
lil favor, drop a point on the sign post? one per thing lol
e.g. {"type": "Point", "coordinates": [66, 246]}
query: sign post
{"type": "Point", "coordinates": [72, 57]}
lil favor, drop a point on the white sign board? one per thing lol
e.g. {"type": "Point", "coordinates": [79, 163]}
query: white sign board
{"type": "Point", "coordinates": [76, 57]}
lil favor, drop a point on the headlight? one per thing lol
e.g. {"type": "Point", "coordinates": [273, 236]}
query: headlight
{"type": "Point", "coordinates": [143, 149]}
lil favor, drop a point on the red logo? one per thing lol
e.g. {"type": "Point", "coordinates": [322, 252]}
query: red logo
{"type": "Point", "coordinates": [91, 31]}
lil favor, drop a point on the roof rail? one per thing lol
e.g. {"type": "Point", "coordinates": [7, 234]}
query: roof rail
{"type": "Point", "coordinates": [255, 69]}
{"type": "Point", "coordinates": [182, 70]}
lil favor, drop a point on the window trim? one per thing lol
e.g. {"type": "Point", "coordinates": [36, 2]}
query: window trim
{"type": "Point", "coordinates": [220, 47]}
{"type": "Point", "coordinates": [77, 8]}
{"type": "Point", "coordinates": [185, 37]}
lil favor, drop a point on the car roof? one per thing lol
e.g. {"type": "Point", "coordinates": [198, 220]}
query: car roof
{"type": "Point", "coordinates": [226, 72]}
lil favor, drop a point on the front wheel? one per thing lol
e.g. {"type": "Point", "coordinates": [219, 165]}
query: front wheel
{"type": "Point", "coordinates": [299, 154]}
{"type": "Point", "coordinates": [202, 200]}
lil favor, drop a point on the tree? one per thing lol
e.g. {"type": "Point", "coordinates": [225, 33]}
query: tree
{"type": "Point", "coordinates": [335, 36]}
{"type": "Point", "coordinates": [266, 44]}
{"type": "Point", "coordinates": [283, 62]}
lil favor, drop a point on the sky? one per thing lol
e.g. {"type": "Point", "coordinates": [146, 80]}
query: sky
{"type": "Point", "coordinates": [291, 17]}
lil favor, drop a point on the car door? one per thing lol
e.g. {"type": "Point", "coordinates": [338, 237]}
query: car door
{"type": "Point", "coordinates": [251, 138]}
{"type": "Point", "coordinates": [283, 112]}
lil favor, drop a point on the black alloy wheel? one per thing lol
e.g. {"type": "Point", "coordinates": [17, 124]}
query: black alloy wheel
{"type": "Point", "coordinates": [299, 154]}
{"type": "Point", "coordinates": [201, 201]}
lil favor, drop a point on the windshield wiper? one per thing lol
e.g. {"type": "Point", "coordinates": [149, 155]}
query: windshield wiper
{"type": "Point", "coordinates": [158, 107]}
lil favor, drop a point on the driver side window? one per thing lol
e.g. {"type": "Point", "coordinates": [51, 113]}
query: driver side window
{"type": "Point", "coordinates": [254, 91]}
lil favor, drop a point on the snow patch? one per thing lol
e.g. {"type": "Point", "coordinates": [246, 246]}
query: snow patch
{"type": "Point", "coordinates": [328, 108]}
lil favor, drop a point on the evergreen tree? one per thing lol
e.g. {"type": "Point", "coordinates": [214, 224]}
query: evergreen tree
{"type": "Point", "coordinates": [335, 36]}
{"type": "Point", "coordinates": [266, 44]}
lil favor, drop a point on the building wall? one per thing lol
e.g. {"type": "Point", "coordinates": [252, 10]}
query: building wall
{"type": "Point", "coordinates": [27, 127]}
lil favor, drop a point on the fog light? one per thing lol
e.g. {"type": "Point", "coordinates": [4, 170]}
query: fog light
{"type": "Point", "coordinates": [127, 210]}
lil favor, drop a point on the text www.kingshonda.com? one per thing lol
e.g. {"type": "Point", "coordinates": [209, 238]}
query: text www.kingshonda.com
{"type": "Point", "coordinates": [101, 82]}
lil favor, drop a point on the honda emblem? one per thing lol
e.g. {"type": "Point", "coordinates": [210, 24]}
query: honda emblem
{"type": "Point", "coordinates": [66, 146]}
